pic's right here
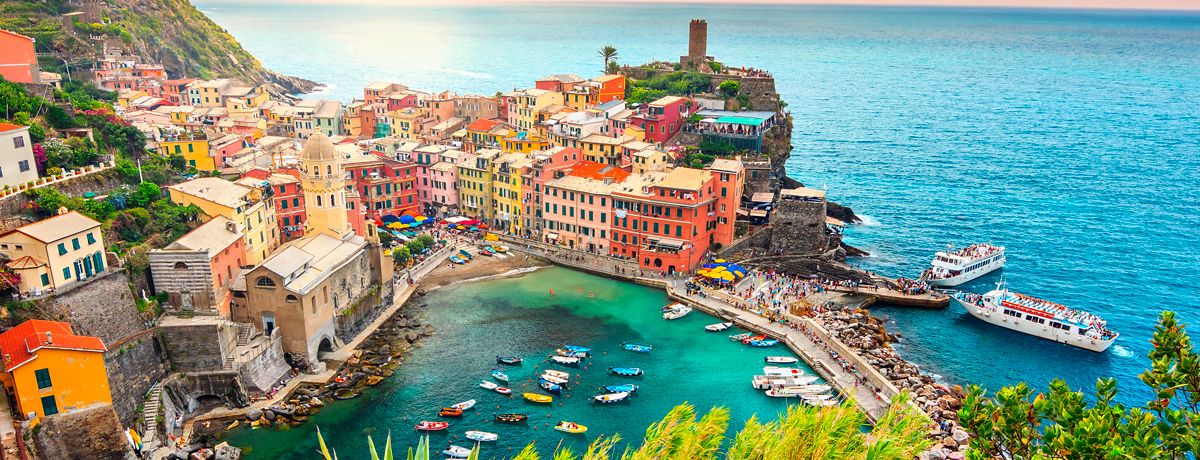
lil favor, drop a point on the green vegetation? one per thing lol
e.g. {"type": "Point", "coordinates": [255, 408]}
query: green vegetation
{"type": "Point", "coordinates": [730, 88]}
{"type": "Point", "coordinates": [609, 53]}
{"type": "Point", "coordinates": [1060, 424]}
{"type": "Point", "coordinates": [401, 255]}
{"type": "Point", "coordinates": [680, 83]}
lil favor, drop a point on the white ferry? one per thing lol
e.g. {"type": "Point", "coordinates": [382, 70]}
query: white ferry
{"type": "Point", "coordinates": [952, 268]}
{"type": "Point", "coordinates": [1038, 317]}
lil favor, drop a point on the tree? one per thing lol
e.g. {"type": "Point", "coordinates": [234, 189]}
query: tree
{"type": "Point", "coordinates": [608, 52]}
{"type": "Point", "coordinates": [1061, 423]}
{"type": "Point", "coordinates": [730, 87]}
{"type": "Point", "coordinates": [612, 68]}
{"type": "Point", "coordinates": [401, 255]}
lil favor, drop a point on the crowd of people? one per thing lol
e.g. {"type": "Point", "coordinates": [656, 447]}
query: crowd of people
{"type": "Point", "coordinates": [911, 286]}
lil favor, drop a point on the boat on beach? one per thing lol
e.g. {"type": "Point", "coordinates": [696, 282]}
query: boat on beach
{"type": "Point", "coordinates": [457, 260]}
{"type": "Point", "coordinates": [767, 382]}
{"type": "Point", "coordinates": [457, 452]}
{"type": "Point", "coordinates": [566, 361]}
{"type": "Point", "coordinates": [626, 371]}
{"type": "Point", "coordinates": [570, 427]}
{"type": "Point", "coordinates": [465, 405]}
{"type": "Point", "coordinates": [626, 388]}
{"type": "Point", "coordinates": [500, 376]}
{"type": "Point", "coordinates": [718, 327]}
{"type": "Point", "coordinates": [481, 436]}
{"type": "Point", "coordinates": [1039, 318]}
{"type": "Point", "coordinates": [954, 267]}
{"type": "Point", "coordinates": [431, 426]}
{"type": "Point", "coordinates": [512, 418]}
{"type": "Point", "coordinates": [509, 360]}
{"type": "Point", "coordinates": [782, 360]}
{"type": "Point", "coordinates": [609, 398]}
{"type": "Point", "coordinates": [776, 371]}
{"type": "Point", "coordinates": [677, 313]}
{"type": "Point", "coordinates": [538, 398]}
{"type": "Point", "coordinates": [637, 348]}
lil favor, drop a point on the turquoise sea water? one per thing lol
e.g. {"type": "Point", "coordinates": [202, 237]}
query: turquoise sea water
{"type": "Point", "coordinates": [475, 322]}
{"type": "Point", "coordinates": [1071, 137]}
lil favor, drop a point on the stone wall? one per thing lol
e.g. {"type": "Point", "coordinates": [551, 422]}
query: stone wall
{"type": "Point", "coordinates": [189, 287]}
{"type": "Point", "coordinates": [134, 365]}
{"type": "Point", "coordinates": [262, 371]}
{"type": "Point", "coordinates": [12, 206]}
{"type": "Point", "coordinates": [366, 311]}
{"type": "Point", "coordinates": [103, 308]}
{"type": "Point", "coordinates": [198, 344]}
{"type": "Point", "coordinates": [798, 227]}
{"type": "Point", "coordinates": [94, 433]}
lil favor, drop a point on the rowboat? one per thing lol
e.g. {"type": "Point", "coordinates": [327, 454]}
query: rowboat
{"type": "Point", "coordinates": [739, 337]}
{"type": "Point", "coordinates": [552, 379]}
{"type": "Point", "coordinates": [464, 254]}
{"type": "Point", "coordinates": [450, 412]}
{"type": "Point", "coordinates": [718, 327]}
{"type": "Point", "coordinates": [816, 397]}
{"type": "Point", "coordinates": [577, 348]}
{"type": "Point", "coordinates": [782, 359]}
{"type": "Point", "coordinates": [637, 348]}
{"type": "Point", "coordinates": [570, 354]}
{"type": "Point", "coordinates": [570, 427]}
{"type": "Point", "coordinates": [457, 260]}
{"type": "Point", "coordinates": [538, 398]}
{"type": "Point", "coordinates": [504, 390]}
{"type": "Point", "coordinates": [555, 373]}
{"type": "Point", "coordinates": [550, 386]}
{"type": "Point", "coordinates": [488, 385]}
{"type": "Point", "coordinates": [765, 382]}
{"type": "Point", "coordinates": [457, 452]}
{"type": "Point", "coordinates": [626, 371]}
{"type": "Point", "coordinates": [626, 388]}
{"type": "Point", "coordinates": [481, 436]}
{"type": "Point", "coordinates": [778, 371]}
{"type": "Point", "coordinates": [764, 343]}
{"type": "Point", "coordinates": [509, 360]}
{"type": "Point", "coordinates": [500, 376]}
{"type": "Point", "coordinates": [565, 360]}
{"type": "Point", "coordinates": [609, 398]}
{"type": "Point", "coordinates": [465, 404]}
{"type": "Point", "coordinates": [511, 418]}
{"type": "Point", "coordinates": [677, 313]}
{"type": "Point", "coordinates": [500, 248]}
{"type": "Point", "coordinates": [432, 426]}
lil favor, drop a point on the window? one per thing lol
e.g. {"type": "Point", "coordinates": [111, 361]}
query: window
{"type": "Point", "coordinates": [295, 202]}
{"type": "Point", "coordinates": [49, 407]}
{"type": "Point", "coordinates": [265, 282]}
{"type": "Point", "coordinates": [18, 142]}
{"type": "Point", "coordinates": [292, 298]}
{"type": "Point", "coordinates": [75, 243]}
{"type": "Point", "coordinates": [67, 272]}
{"type": "Point", "coordinates": [23, 165]}
{"type": "Point", "coordinates": [45, 279]}
{"type": "Point", "coordinates": [62, 248]}
{"type": "Point", "coordinates": [43, 378]}
{"type": "Point", "coordinates": [180, 266]}
{"type": "Point", "coordinates": [91, 238]}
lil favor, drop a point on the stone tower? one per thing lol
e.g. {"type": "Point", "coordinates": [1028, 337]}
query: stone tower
{"type": "Point", "coordinates": [324, 183]}
{"type": "Point", "coordinates": [698, 41]}
{"type": "Point", "coordinates": [798, 222]}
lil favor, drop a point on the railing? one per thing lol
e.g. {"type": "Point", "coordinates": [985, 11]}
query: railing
{"type": "Point", "coordinates": [45, 181]}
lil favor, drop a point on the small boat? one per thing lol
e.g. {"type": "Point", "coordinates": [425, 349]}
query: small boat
{"type": "Point", "coordinates": [457, 260]}
{"type": "Point", "coordinates": [432, 426]}
{"type": "Point", "coordinates": [558, 374]}
{"type": "Point", "coordinates": [626, 371]}
{"type": "Point", "coordinates": [677, 313]}
{"type": "Point", "coordinates": [626, 388]}
{"type": "Point", "coordinates": [637, 348]}
{"type": "Point", "coordinates": [764, 343]}
{"type": "Point", "coordinates": [672, 307]}
{"type": "Point", "coordinates": [571, 354]}
{"type": "Point", "coordinates": [509, 360]}
{"type": "Point", "coordinates": [565, 360]}
{"type": "Point", "coordinates": [552, 379]}
{"type": "Point", "coordinates": [511, 418]}
{"type": "Point", "coordinates": [500, 376]}
{"type": "Point", "coordinates": [570, 427]}
{"type": "Point", "coordinates": [500, 248]}
{"type": "Point", "coordinates": [465, 404]}
{"type": "Point", "coordinates": [775, 371]}
{"type": "Point", "coordinates": [457, 452]}
{"type": "Point", "coordinates": [718, 327]}
{"type": "Point", "coordinates": [550, 386]}
{"type": "Point", "coordinates": [747, 340]}
{"type": "Point", "coordinates": [488, 385]}
{"type": "Point", "coordinates": [739, 337]}
{"type": "Point", "coordinates": [486, 252]}
{"type": "Point", "coordinates": [577, 348]}
{"type": "Point", "coordinates": [817, 397]}
{"type": "Point", "coordinates": [464, 254]}
{"type": "Point", "coordinates": [799, 390]}
{"type": "Point", "coordinates": [450, 412]}
{"type": "Point", "coordinates": [481, 436]}
{"type": "Point", "coordinates": [609, 398]}
{"type": "Point", "coordinates": [538, 398]}
{"type": "Point", "coordinates": [765, 382]}
{"type": "Point", "coordinates": [820, 402]}
{"type": "Point", "coordinates": [782, 359]}
{"type": "Point", "coordinates": [504, 390]}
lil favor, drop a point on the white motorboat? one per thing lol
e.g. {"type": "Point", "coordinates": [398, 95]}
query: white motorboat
{"type": "Point", "coordinates": [797, 391]}
{"type": "Point", "coordinates": [776, 371]}
{"type": "Point", "coordinates": [677, 313]}
{"type": "Point", "coordinates": [1039, 318]}
{"type": "Point", "coordinates": [465, 404]}
{"type": "Point", "coordinates": [718, 327]}
{"type": "Point", "coordinates": [765, 382]}
{"type": "Point", "coordinates": [488, 385]}
{"type": "Point", "coordinates": [952, 268]}
{"type": "Point", "coordinates": [557, 373]}
{"type": "Point", "coordinates": [553, 379]}
{"type": "Point", "coordinates": [569, 361]}
{"type": "Point", "coordinates": [820, 402]}
{"type": "Point", "coordinates": [819, 397]}
{"type": "Point", "coordinates": [609, 398]}
{"type": "Point", "coordinates": [782, 359]}
{"type": "Point", "coordinates": [457, 452]}
{"type": "Point", "coordinates": [481, 436]}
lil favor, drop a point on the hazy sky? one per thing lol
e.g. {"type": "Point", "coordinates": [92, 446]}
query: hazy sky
{"type": "Point", "coordinates": [1126, 4]}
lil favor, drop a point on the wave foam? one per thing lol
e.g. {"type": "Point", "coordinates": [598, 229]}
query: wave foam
{"type": "Point", "coordinates": [1122, 352]}
{"type": "Point", "coordinates": [867, 221]}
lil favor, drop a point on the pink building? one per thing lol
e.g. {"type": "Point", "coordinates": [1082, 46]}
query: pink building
{"type": "Point", "coordinates": [437, 179]}
{"type": "Point", "coordinates": [547, 165]}
{"type": "Point", "coordinates": [577, 206]}
{"type": "Point", "coordinates": [225, 146]}
{"type": "Point", "coordinates": [663, 118]}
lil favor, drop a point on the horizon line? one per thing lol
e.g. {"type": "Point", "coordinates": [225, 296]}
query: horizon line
{"type": "Point", "coordinates": [1183, 6]}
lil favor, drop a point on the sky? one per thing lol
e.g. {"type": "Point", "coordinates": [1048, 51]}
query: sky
{"type": "Point", "coordinates": [1103, 4]}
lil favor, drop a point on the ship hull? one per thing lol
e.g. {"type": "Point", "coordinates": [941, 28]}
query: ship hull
{"type": "Point", "coordinates": [969, 276]}
{"type": "Point", "coordinates": [1037, 330]}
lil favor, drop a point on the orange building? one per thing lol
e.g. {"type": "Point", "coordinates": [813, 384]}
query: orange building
{"type": "Point", "coordinates": [49, 370]}
{"type": "Point", "coordinates": [18, 60]}
{"type": "Point", "coordinates": [612, 87]}
{"type": "Point", "coordinates": [668, 221]}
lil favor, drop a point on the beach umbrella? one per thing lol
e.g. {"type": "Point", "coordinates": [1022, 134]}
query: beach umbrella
{"type": "Point", "coordinates": [407, 219]}
{"type": "Point", "coordinates": [720, 261]}
{"type": "Point", "coordinates": [708, 265]}
{"type": "Point", "coordinates": [390, 218]}
{"type": "Point", "coordinates": [421, 218]}
{"type": "Point", "coordinates": [474, 229]}
{"type": "Point", "coordinates": [394, 225]}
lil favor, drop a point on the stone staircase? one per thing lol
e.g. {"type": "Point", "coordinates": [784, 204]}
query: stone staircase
{"type": "Point", "coordinates": [150, 415]}
{"type": "Point", "coordinates": [245, 333]}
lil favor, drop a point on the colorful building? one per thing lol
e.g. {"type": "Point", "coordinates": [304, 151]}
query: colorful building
{"type": "Point", "coordinates": [577, 207]}
{"type": "Point", "coordinates": [193, 146]}
{"type": "Point", "coordinates": [18, 60]}
{"type": "Point", "coordinates": [507, 172]}
{"type": "Point", "coordinates": [484, 134]}
{"type": "Point", "coordinates": [546, 165]}
{"type": "Point", "coordinates": [197, 270]}
{"type": "Point", "coordinates": [662, 119]}
{"type": "Point", "coordinates": [666, 221]}
{"type": "Point", "coordinates": [527, 104]}
{"type": "Point", "coordinates": [49, 370]}
{"type": "Point", "coordinates": [475, 183]}
{"type": "Point", "coordinates": [287, 197]}
{"type": "Point", "coordinates": [17, 165]}
{"type": "Point", "coordinates": [612, 88]}
{"type": "Point", "coordinates": [239, 203]}
{"type": "Point", "coordinates": [55, 252]}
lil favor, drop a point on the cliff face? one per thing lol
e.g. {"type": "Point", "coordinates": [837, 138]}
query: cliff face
{"type": "Point", "coordinates": [186, 42]}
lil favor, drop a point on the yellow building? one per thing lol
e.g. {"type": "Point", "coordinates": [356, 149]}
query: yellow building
{"type": "Point", "coordinates": [528, 103]}
{"type": "Point", "coordinates": [126, 96]}
{"type": "Point", "coordinates": [54, 253]}
{"type": "Point", "coordinates": [239, 98]}
{"type": "Point", "coordinates": [49, 370]}
{"type": "Point", "coordinates": [241, 204]}
{"type": "Point", "coordinates": [523, 143]}
{"type": "Point", "coordinates": [208, 93]}
{"type": "Point", "coordinates": [180, 115]}
{"type": "Point", "coordinates": [603, 149]}
{"type": "Point", "coordinates": [475, 183]}
{"type": "Point", "coordinates": [408, 123]}
{"type": "Point", "coordinates": [193, 146]}
{"type": "Point", "coordinates": [507, 171]}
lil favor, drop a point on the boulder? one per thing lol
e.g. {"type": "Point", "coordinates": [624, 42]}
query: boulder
{"type": "Point", "coordinates": [316, 402]}
{"type": "Point", "coordinates": [224, 451]}
{"type": "Point", "coordinates": [950, 442]}
{"type": "Point", "coordinates": [254, 414]}
{"type": "Point", "coordinates": [269, 415]}
{"type": "Point", "coordinates": [959, 435]}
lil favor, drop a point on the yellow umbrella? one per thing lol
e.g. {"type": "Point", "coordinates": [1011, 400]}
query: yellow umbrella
{"type": "Point", "coordinates": [491, 237]}
{"type": "Point", "coordinates": [727, 276]}
{"type": "Point", "coordinates": [394, 225]}
{"type": "Point", "coordinates": [720, 261]}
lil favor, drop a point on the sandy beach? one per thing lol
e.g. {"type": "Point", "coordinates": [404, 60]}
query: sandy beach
{"type": "Point", "coordinates": [480, 267]}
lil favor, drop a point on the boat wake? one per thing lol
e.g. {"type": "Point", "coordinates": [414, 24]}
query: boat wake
{"type": "Point", "coordinates": [1122, 351]}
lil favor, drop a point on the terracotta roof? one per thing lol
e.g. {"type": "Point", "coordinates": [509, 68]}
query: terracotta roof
{"type": "Point", "coordinates": [482, 124]}
{"type": "Point", "coordinates": [20, 344]}
{"type": "Point", "coordinates": [6, 127]}
{"type": "Point", "coordinates": [598, 171]}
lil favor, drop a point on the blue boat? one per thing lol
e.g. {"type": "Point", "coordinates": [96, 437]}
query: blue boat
{"type": "Point", "coordinates": [457, 260]}
{"type": "Point", "coordinates": [764, 343]}
{"type": "Point", "coordinates": [571, 354]}
{"type": "Point", "coordinates": [500, 376]}
{"type": "Point", "coordinates": [626, 371]}
{"type": "Point", "coordinates": [464, 254]}
{"type": "Point", "coordinates": [576, 348]}
{"type": "Point", "coordinates": [550, 386]}
{"type": "Point", "coordinates": [637, 348]}
{"type": "Point", "coordinates": [626, 388]}
{"type": "Point", "coordinates": [510, 360]}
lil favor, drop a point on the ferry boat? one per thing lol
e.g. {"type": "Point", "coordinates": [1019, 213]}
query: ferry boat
{"type": "Point", "coordinates": [952, 268]}
{"type": "Point", "coordinates": [1040, 318]}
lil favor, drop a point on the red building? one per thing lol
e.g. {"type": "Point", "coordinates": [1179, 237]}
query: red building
{"type": "Point", "coordinates": [385, 186]}
{"type": "Point", "coordinates": [18, 60]}
{"type": "Point", "coordinates": [558, 82]}
{"type": "Point", "coordinates": [176, 91]}
{"type": "Point", "coordinates": [287, 196]}
{"type": "Point", "coordinates": [663, 118]}
{"type": "Point", "coordinates": [667, 221]}
{"type": "Point", "coordinates": [547, 165]}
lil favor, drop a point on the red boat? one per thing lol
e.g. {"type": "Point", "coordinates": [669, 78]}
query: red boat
{"type": "Point", "coordinates": [504, 390]}
{"type": "Point", "coordinates": [755, 338]}
{"type": "Point", "coordinates": [432, 426]}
